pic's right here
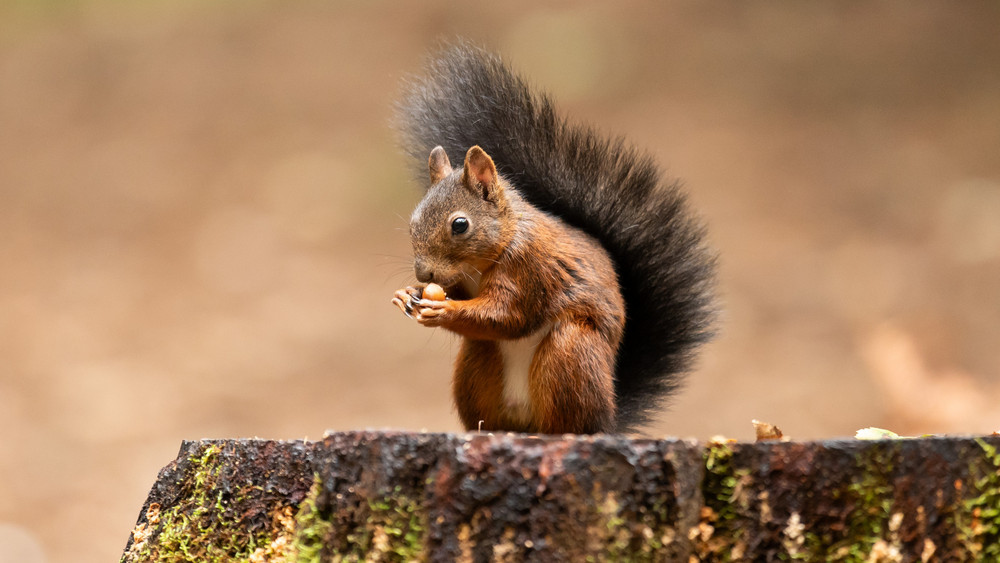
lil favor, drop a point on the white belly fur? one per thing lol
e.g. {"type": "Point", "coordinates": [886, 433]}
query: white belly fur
{"type": "Point", "coordinates": [517, 356]}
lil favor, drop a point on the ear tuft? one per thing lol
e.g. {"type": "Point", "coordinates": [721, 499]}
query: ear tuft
{"type": "Point", "coordinates": [438, 164]}
{"type": "Point", "coordinates": [480, 174]}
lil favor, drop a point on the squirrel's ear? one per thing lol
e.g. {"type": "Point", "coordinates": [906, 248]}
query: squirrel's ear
{"type": "Point", "coordinates": [480, 174]}
{"type": "Point", "coordinates": [438, 164]}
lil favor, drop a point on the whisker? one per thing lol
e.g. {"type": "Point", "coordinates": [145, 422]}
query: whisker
{"type": "Point", "coordinates": [402, 276]}
{"type": "Point", "coordinates": [401, 266]}
{"type": "Point", "coordinates": [405, 259]}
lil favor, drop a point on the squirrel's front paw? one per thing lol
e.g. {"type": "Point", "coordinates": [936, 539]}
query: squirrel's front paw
{"type": "Point", "coordinates": [432, 313]}
{"type": "Point", "coordinates": [404, 298]}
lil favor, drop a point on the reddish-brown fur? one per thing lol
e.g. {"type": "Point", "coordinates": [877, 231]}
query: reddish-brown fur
{"type": "Point", "coordinates": [534, 272]}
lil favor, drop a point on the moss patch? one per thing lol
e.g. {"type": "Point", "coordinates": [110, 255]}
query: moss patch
{"type": "Point", "coordinates": [312, 530]}
{"type": "Point", "coordinates": [871, 522]}
{"type": "Point", "coordinates": [394, 530]}
{"type": "Point", "coordinates": [201, 527]}
{"type": "Point", "coordinates": [207, 525]}
{"type": "Point", "coordinates": [620, 530]}
{"type": "Point", "coordinates": [978, 521]}
{"type": "Point", "coordinates": [718, 536]}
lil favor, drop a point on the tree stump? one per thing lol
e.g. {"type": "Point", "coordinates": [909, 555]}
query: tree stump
{"type": "Point", "coordinates": [397, 496]}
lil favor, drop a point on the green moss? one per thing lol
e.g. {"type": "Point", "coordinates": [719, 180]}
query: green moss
{"type": "Point", "coordinates": [312, 530]}
{"type": "Point", "coordinates": [201, 527]}
{"type": "Point", "coordinates": [615, 533]}
{"type": "Point", "coordinates": [872, 493]}
{"type": "Point", "coordinates": [205, 525]}
{"type": "Point", "coordinates": [978, 517]}
{"type": "Point", "coordinates": [394, 530]}
{"type": "Point", "coordinates": [869, 500]}
{"type": "Point", "coordinates": [719, 486]}
{"type": "Point", "coordinates": [719, 533]}
{"type": "Point", "coordinates": [615, 536]}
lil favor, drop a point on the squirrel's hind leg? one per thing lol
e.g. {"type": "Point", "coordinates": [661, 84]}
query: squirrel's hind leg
{"type": "Point", "coordinates": [572, 380]}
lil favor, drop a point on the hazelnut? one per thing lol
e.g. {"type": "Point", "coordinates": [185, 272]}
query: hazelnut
{"type": "Point", "coordinates": [434, 292]}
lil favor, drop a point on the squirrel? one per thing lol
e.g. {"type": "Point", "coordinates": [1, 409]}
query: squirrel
{"type": "Point", "coordinates": [579, 281]}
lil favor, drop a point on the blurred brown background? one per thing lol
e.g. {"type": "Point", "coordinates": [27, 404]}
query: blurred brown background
{"type": "Point", "coordinates": [203, 217]}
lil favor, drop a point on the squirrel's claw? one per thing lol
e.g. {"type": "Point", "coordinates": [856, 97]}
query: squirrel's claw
{"type": "Point", "coordinates": [403, 306]}
{"type": "Point", "coordinates": [403, 298]}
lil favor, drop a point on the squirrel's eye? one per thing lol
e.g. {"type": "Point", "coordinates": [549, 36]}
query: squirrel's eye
{"type": "Point", "coordinates": [459, 225]}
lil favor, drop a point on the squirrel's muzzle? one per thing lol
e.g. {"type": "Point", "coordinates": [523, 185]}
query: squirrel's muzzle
{"type": "Point", "coordinates": [425, 273]}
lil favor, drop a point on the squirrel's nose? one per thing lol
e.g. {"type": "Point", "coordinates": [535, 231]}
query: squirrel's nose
{"type": "Point", "coordinates": [425, 273]}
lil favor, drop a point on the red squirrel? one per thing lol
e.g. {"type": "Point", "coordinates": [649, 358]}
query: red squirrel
{"type": "Point", "coordinates": [579, 282]}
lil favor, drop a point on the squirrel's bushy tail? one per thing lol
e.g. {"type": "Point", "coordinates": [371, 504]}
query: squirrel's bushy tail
{"type": "Point", "coordinates": [602, 186]}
